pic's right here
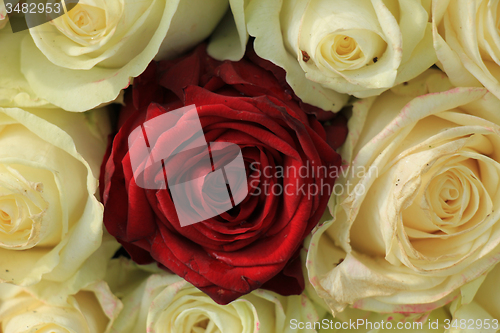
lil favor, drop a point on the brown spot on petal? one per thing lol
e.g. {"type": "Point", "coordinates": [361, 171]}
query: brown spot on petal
{"type": "Point", "coordinates": [375, 59]}
{"type": "Point", "coordinates": [305, 56]}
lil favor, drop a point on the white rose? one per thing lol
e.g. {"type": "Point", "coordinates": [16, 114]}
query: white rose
{"type": "Point", "coordinates": [167, 303]}
{"type": "Point", "coordinates": [419, 215]}
{"type": "Point", "coordinates": [467, 42]}
{"type": "Point", "coordinates": [479, 311]}
{"type": "Point", "coordinates": [92, 309]}
{"type": "Point", "coordinates": [358, 47]}
{"type": "Point", "coordinates": [86, 56]}
{"type": "Point", "coordinates": [50, 220]}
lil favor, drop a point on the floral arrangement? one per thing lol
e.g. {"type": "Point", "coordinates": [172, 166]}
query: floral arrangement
{"type": "Point", "coordinates": [249, 166]}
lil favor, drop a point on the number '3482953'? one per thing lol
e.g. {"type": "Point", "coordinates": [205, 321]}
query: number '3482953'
{"type": "Point", "coordinates": [33, 8]}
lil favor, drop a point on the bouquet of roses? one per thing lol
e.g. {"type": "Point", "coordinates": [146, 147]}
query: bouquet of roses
{"type": "Point", "coordinates": [249, 166]}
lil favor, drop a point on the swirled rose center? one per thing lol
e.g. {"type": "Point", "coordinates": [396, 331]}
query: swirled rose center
{"type": "Point", "coordinates": [455, 199]}
{"type": "Point", "coordinates": [448, 191]}
{"type": "Point", "coordinates": [16, 221]}
{"type": "Point", "coordinates": [87, 20]}
{"type": "Point", "coordinates": [7, 214]}
{"type": "Point", "coordinates": [349, 50]}
{"type": "Point", "coordinates": [22, 208]}
{"type": "Point", "coordinates": [85, 24]}
{"type": "Point", "coordinates": [341, 51]}
{"type": "Point", "coordinates": [346, 47]}
{"type": "Point", "coordinates": [202, 324]}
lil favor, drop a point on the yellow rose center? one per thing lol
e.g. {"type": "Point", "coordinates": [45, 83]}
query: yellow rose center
{"type": "Point", "coordinates": [346, 47]}
{"type": "Point", "coordinates": [201, 325]}
{"type": "Point", "coordinates": [341, 51]}
{"type": "Point", "coordinates": [15, 226]}
{"type": "Point", "coordinates": [85, 24]}
{"type": "Point", "coordinates": [452, 195]}
{"type": "Point", "coordinates": [22, 207]}
{"type": "Point", "coordinates": [87, 20]}
{"type": "Point", "coordinates": [82, 20]}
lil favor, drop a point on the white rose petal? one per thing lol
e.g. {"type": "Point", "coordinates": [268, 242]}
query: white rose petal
{"type": "Point", "coordinates": [467, 42]}
{"type": "Point", "coordinates": [427, 219]}
{"type": "Point", "coordinates": [490, 287]}
{"type": "Point", "coordinates": [229, 40]}
{"type": "Point", "coordinates": [200, 17]}
{"type": "Point", "coordinates": [14, 89]}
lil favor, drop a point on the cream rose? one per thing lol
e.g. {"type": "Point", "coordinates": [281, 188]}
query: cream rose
{"type": "Point", "coordinates": [164, 302]}
{"type": "Point", "coordinates": [419, 216]}
{"type": "Point", "coordinates": [358, 47]}
{"type": "Point", "coordinates": [92, 309]}
{"type": "Point", "coordinates": [86, 56]}
{"type": "Point", "coordinates": [467, 41]}
{"type": "Point", "coordinates": [50, 220]}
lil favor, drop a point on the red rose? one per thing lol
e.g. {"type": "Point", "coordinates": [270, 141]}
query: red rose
{"type": "Point", "coordinates": [256, 243]}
